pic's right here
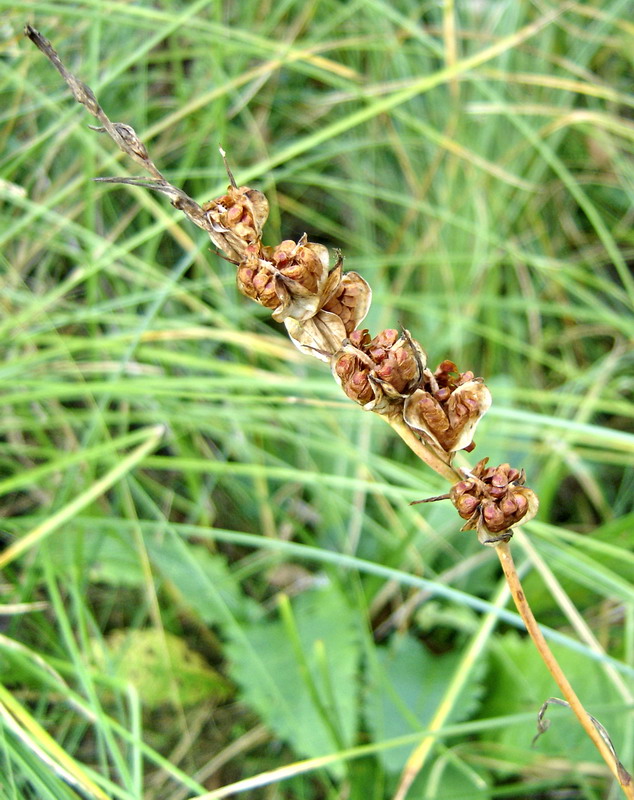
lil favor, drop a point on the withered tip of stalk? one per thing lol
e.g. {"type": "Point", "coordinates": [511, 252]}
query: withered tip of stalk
{"type": "Point", "coordinates": [232, 180]}
{"type": "Point", "coordinates": [42, 43]}
{"type": "Point", "coordinates": [30, 31]}
{"type": "Point", "coordinates": [317, 350]}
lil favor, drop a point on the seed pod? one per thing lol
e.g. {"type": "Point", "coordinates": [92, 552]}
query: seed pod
{"type": "Point", "coordinates": [293, 272]}
{"type": "Point", "coordinates": [255, 279]}
{"type": "Point", "coordinates": [344, 303]}
{"type": "Point", "coordinates": [389, 366]}
{"type": "Point", "coordinates": [448, 407]}
{"type": "Point", "coordinates": [354, 377]}
{"type": "Point", "coordinates": [236, 219]}
{"type": "Point", "coordinates": [302, 268]}
{"type": "Point", "coordinates": [350, 301]}
{"type": "Point", "coordinates": [303, 262]}
{"type": "Point", "coordinates": [493, 500]}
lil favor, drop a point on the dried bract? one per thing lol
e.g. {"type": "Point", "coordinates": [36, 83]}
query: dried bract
{"type": "Point", "coordinates": [345, 301]}
{"type": "Point", "coordinates": [177, 197]}
{"type": "Point", "coordinates": [379, 373]}
{"type": "Point", "coordinates": [123, 135]}
{"type": "Point", "coordinates": [448, 407]}
{"type": "Point", "coordinates": [493, 500]}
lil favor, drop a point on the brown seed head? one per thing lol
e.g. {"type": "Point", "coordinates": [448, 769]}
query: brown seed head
{"type": "Point", "coordinates": [236, 219]}
{"type": "Point", "coordinates": [493, 500]}
{"type": "Point", "coordinates": [255, 280]}
{"type": "Point", "coordinates": [350, 301]}
{"type": "Point", "coordinates": [301, 262]}
{"type": "Point", "coordinates": [354, 378]}
{"type": "Point", "coordinates": [399, 362]}
{"type": "Point", "coordinates": [360, 339]}
{"type": "Point", "coordinates": [392, 363]}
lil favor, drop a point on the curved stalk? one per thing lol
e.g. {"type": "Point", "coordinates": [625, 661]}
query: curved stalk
{"type": "Point", "coordinates": [503, 550]}
{"type": "Point", "coordinates": [510, 573]}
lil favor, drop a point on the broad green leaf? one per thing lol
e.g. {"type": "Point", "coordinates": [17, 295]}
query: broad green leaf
{"type": "Point", "coordinates": [309, 698]}
{"type": "Point", "coordinates": [202, 579]}
{"type": "Point", "coordinates": [116, 561]}
{"type": "Point", "coordinates": [405, 685]}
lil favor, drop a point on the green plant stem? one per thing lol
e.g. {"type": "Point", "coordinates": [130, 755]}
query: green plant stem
{"type": "Point", "coordinates": [508, 566]}
{"type": "Point", "coordinates": [40, 742]}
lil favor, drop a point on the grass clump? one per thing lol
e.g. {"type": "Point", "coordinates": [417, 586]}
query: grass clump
{"type": "Point", "coordinates": [172, 464]}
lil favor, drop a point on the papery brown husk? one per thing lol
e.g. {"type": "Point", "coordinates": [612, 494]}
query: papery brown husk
{"type": "Point", "coordinates": [299, 274]}
{"type": "Point", "coordinates": [493, 501]}
{"type": "Point", "coordinates": [345, 302]}
{"type": "Point", "coordinates": [350, 301]}
{"type": "Point", "coordinates": [256, 281]}
{"type": "Point", "coordinates": [387, 367]}
{"type": "Point", "coordinates": [449, 425]}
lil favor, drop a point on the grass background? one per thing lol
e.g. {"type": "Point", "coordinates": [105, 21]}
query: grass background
{"type": "Point", "coordinates": [245, 586]}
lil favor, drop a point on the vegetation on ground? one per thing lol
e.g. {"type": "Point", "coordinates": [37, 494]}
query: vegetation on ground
{"type": "Point", "coordinates": [219, 573]}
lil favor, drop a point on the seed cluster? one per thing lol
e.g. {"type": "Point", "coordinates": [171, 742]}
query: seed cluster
{"type": "Point", "coordinates": [388, 373]}
{"type": "Point", "coordinates": [322, 309]}
{"type": "Point", "coordinates": [492, 500]}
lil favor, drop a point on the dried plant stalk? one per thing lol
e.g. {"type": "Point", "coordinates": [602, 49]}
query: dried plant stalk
{"type": "Point", "coordinates": [587, 721]}
{"type": "Point", "coordinates": [435, 414]}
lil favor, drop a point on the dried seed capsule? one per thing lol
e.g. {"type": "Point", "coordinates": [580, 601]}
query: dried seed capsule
{"type": "Point", "coordinates": [392, 364]}
{"type": "Point", "coordinates": [447, 407]}
{"type": "Point", "coordinates": [355, 378]}
{"type": "Point", "coordinates": [344, 302]}
{"type": "Point", "coordinates": [303, 262]}
{"type": "Point", "coordinates": [255, 280]}
{"type": "Point", "coordinates": [236, 219]}
{"type": "Point", "coordinates": [350, 301]}
{"type": "Point", "coordinates": [294, 272]}
{"type": "Point", "coordinates": [493, 500]}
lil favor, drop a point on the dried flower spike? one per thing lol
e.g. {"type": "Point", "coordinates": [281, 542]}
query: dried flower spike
{"type": "Point", "coordinates": [448, 407]}
{"type": "Point", "coordinates": [387, 374]}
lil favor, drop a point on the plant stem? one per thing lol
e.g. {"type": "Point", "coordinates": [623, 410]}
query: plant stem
{"type": "Point", "coordinates": [508, 566]}
{"type": "Point", "coordinates": [503, 550]}
{"type": "Point", "coordinates": [425, 453]}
